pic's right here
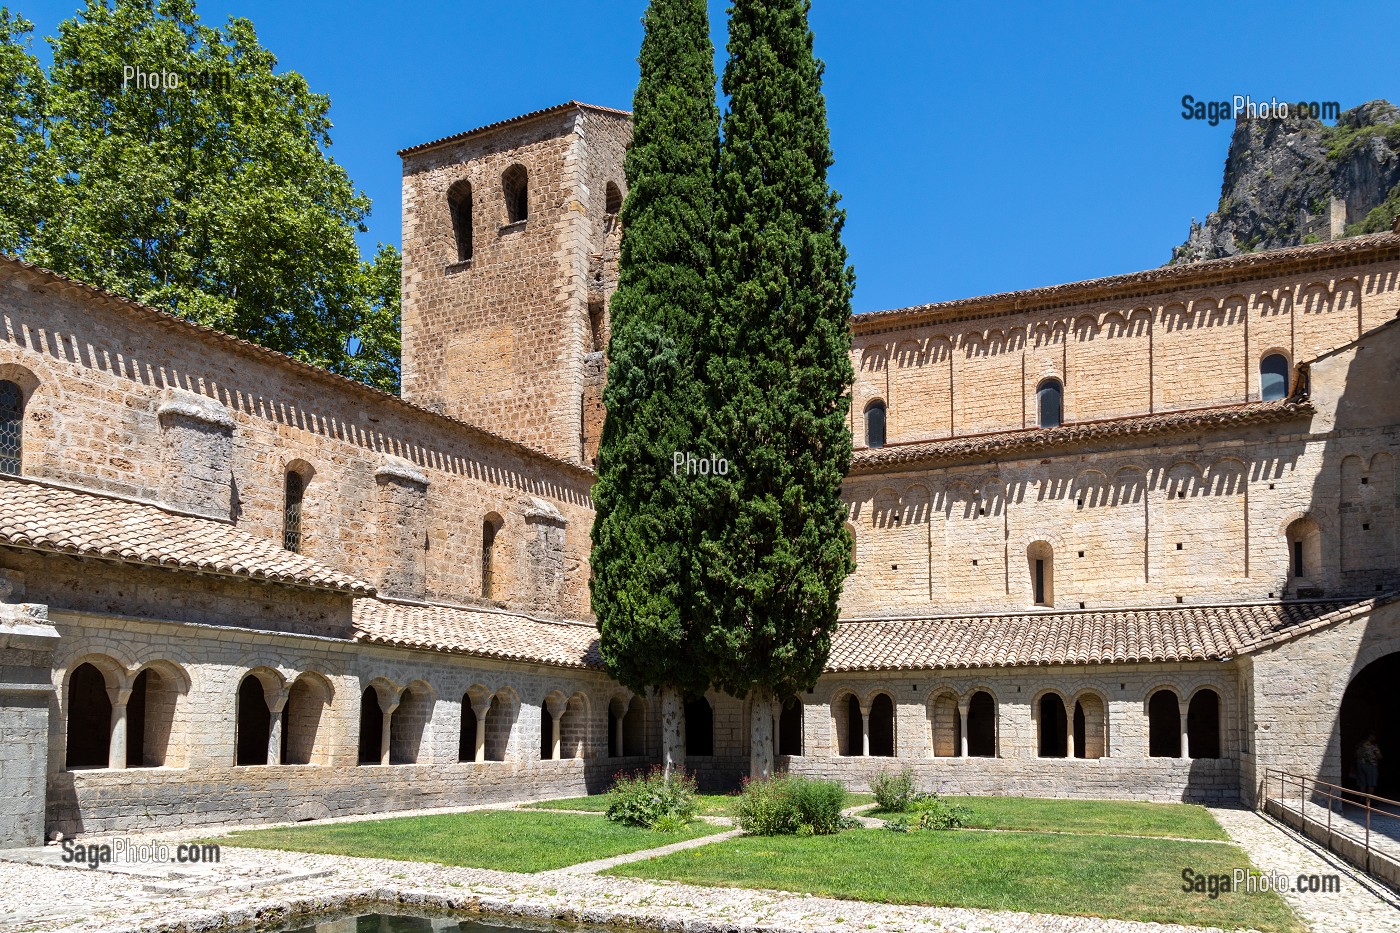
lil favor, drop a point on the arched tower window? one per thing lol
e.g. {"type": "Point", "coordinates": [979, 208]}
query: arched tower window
{"type": "Point", "coordinates": [1273, 377]}
{"type": "Point", "coordinates": [1049, 398]}
{"type": "Point", "coordinates": [11, 427]}
{"type": "Point", "coordinates": [1304, 550]}
{"type": "Point", "coordinates": [459, 203]}
{"type": "Point", "coordinates": [489, 527]}
{"type": "Point", "coordinates": [294, 489]}
{"type": "Point", "coordinates": [875, 424]}
{"type": "Point", "coordinates": [515, 185]}
{"type": "Point", "coordinates": [1041, 559]}
{"type": "Point", "coordinates": [614, 198]}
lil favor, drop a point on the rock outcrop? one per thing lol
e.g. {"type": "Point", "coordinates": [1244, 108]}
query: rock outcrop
{"type": "Point", "coordinates": [1292, 181]}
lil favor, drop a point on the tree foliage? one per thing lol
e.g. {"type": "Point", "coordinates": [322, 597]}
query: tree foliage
{"type": "Point", "coordinates": [214, 198]}
{"type": "Point", "coordinates": [776, 550]}
{"type": "Point", "coordinates": [645, 532]}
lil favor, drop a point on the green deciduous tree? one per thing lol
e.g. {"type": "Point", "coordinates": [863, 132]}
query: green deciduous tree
{"type": "Point", "coordinates": [24, 156]}
{"type": "Point", "coordinates": [645, 532]}
{"type": "Point", "coordinates": [188, 173]}
{"type": "Point", "coordinates": [776, 551]}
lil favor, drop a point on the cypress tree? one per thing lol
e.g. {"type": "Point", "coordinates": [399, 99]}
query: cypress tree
{"type": "Point", "coordinates": [776, 550]}
{"type": "Point", "coordinates": [645, 532]}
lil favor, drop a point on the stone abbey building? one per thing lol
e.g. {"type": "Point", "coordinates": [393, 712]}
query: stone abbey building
{"type": "Point", "coordinates": [1131, 537]}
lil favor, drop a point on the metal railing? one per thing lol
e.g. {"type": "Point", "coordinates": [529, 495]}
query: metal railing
{"type": "Point", "coordinates": [1335, 795]}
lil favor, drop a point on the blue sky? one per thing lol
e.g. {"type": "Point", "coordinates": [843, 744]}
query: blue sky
{"type": "Point", "coordinates": [980, 148]}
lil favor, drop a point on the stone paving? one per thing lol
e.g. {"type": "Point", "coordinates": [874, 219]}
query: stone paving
{"type": "Point", "coordinates": [1360, 906]}
{"type": "Point", "coordinates": [39, 895]}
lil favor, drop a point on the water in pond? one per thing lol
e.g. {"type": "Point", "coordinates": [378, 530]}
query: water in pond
{"type": "Point", "coordinates": [398, 923]}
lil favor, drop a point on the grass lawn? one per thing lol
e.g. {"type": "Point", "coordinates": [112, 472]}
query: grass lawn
{"type": "Point", "coordinates": [1107, 876]}
{"type": "Point", "coordinates": [1128, 818]}
{"type": "Point", "coordinates": [509, 840]}
{"type": "Point", "coordinates": [710, 804]}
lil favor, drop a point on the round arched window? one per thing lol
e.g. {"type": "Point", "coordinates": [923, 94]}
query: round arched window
{"type": "Point", "coordinates": [1049, 396]}
{"type": "Point", "coordinates": [875, 424]}
{"type": "Point", "coordinates": [1273, 377]}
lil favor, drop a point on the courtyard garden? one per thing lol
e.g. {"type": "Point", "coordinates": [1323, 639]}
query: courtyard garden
{"type": "Point", "coordinates": [1117, 859]}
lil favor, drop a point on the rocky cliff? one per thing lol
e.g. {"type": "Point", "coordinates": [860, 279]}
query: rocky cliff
{"type": "Point", "coordinates": [1292, 181]}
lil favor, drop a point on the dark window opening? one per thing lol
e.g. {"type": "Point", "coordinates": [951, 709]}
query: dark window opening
{"type": "Point", "coordinates": [1050, 401]}
{"type": "Point", "coordinates": [1040, 581]}
{"type": "Point", "coordinates": [1273, 377]}
{"type": "Point", "coordinates": [89, 719]}
{"type": "Point", "coordinates": [1052, 726]}
{"type": "Point", "coordinates": [875, 424]}
{"type": "Point", "coordinates": [466, 742]}
{"type": "Point", "coordinates": [981, 726]}
{"type": "Point", "coordinates": [1298, 559]}
{"type": "Point", "coordinates": [699, 727]}
{"type": "Point", "coordinates": [882, 726]}
{"type": "Point", "coordinates": [136, 721]}
{"type": "Point", "coordinates": [790, 728]}
{"type": "Point", "coordinates": [546, 732]}
{"type": "Point", "coordinates": [254, 726]}
{"type": "Point", "coordinates": [515, 185]}
{"type": "Point", "coordinates": [459, 203]}
{"type": "Point", "coordinates": [614, 199]}
{"type": "Point", "coordinates": [11, 429]}
{"type": "Point", "coordinates": [1080, 731]}
{"type": "Point", "coordinates": [1203, 725]}
{"type": "Point", "coordinates": [1164, 725]}
{"type": "Point", "coordinates": [371, 727]}
{"type": "Point", "coordinates": [488, 559]}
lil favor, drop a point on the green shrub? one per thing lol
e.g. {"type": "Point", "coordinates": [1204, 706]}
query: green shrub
{"type": "Point", "coordinates": [790, 805]}
{"type": "Point", "coordinates": [648, 798]}
{"type": "Point", "coordinates": [933, 813]}
{"type": "Point", "coordinates": [893, 790]}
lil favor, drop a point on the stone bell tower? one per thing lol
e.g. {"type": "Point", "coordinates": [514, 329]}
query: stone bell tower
{"type": "Point", "coordinates": [510, 236]}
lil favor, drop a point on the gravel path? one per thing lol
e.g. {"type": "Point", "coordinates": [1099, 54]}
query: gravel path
{"type": "Point", "coordinates": [1360, 906]}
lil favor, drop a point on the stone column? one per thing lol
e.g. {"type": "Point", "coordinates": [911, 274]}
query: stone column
{"type": "Point", "coordinates": [384, 732]}
{"type": "Point", "coordinates": [480, 729]}
{"type": "Point", "coordinates": [1069, 731]}
{"type": "Point", "coordinates": [1185, 747]}
{"type": "Point", "coordinates": [672, 729]}
{"type": "Point", "coordinates": [275, 705]}
{"type": "Point", "coordinates": [761, 721]}
{"type": "Point", "coordinates": [864, 731]}
{"type": "Point", "coordinates": [116, 749]}
{"type": "Point", "coordinates": [962, 733]}
{"type": "Point", "coordinates": [556, 707]}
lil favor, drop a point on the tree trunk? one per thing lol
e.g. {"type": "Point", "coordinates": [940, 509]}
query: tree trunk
{"type": "Point", "coordinates": [761, 702]}
{"type": "Point", "coordinates": [672, 730]}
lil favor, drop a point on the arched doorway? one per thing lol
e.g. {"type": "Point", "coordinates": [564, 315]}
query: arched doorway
{"type": "Point", "coordinates": [1368, 708]}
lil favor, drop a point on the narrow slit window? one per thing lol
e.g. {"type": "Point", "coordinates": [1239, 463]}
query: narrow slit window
{"type": "Point", "coordinates": [1050, 401]}
{"type": "Point", "coordinates": [875, 424]}
{"type": "Point", "coordinates": [459, 203]}
{"type": "Point", "coordinates": [291, 514]}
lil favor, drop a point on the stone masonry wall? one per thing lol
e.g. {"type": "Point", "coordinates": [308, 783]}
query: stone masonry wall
{"type": "Point", "coordinates": [99, 373]}
{"type": "Point", "coordinates": [1194, 346]}
{"type": "Point", "coordinates": [499, 340]}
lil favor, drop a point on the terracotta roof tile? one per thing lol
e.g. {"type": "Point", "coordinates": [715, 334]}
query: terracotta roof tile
{"type": "Point", "coordinates": [557, 108]}
{"type": "Point", "coordinates": [484, 633]}
{"type": "Point", "coordinates": [1372, 247]}
{"type": "Point", "coordinates": [66, 521]}
{"type": "Point", "coordinates": [1019, 442]}
{"type": "Point", "coordinates": [1110, 636]}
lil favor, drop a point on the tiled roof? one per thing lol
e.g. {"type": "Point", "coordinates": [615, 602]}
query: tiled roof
{"type": "Point", "coordinates": [10, 265]}
{"type": "Point", "coordinates": [1109, 636]}
{"type": "Point", "coordinates": [66, 521]}
{"type": "Point", "coordinates": [1374, 246]}
{"type": "Point", "coordinates": [1020, 442]}
{"type": "Point", "coordinates": [557, 108]}
{"type": "Point", "coordinates": [484, 633]}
